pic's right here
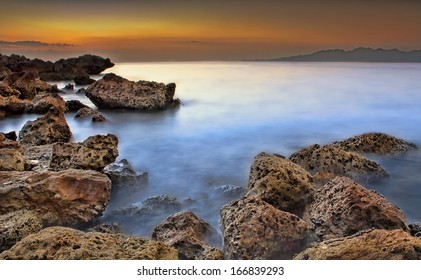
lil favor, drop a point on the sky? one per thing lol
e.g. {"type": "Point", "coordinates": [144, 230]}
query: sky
{"type": "Point", "coordinates": [187, 30]}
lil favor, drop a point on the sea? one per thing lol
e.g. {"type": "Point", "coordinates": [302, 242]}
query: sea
{"type": "Point", "coordinates": [232, 111]}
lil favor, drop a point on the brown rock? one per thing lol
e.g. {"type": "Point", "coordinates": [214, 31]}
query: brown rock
{"type": "Point", "coordinates": [6, 91]}
{"type": "Point", "coordinates": [189, 235]}
{"type": "Point", "coordinates": [59, 243]}
{"type": "Point", "coordinates": [65, 197]}
{"type": "Point", "coordinates": [11, 160]}
{"type": "Point", "coordinates": [4, 72]}
{"type": "Point", "coordinates": [75, 105]}
{"type": "Point", "coordinates": [281, 183]}
{"type": "Point", "coordinates": [12, 105]}
{"type": "Point", "coordinates": [43, 102]}
{"type": "Point", "coordinates": [122, 174]}
{"type": "Point", "coordinates": [254, 229]}
{"type": "Point", "coordinates": [370, 245]}
{"type": "Point", "coordinates": [343, 207]}
{"type": "Point", "coordinates": [38, 158]}
{"type": "Point", "coordinates": [90, 112]}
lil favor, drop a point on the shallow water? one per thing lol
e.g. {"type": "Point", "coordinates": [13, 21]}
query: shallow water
{"type": "Point", "coordinates": [232, 111]}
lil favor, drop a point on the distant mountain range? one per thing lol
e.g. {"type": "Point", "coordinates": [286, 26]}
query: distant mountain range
{"type": "Point", "coordinates": [356, 55]}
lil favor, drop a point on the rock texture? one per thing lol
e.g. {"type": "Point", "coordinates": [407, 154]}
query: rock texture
{"type": "Point", "coordinates": [94, 153]}
{"type": "Point", "coordinates": [327, 162]}
{"type": "Point", "coordinates": [112, 92]}
{"type": "Point", "coordinates": [122, 174]}
{"type": "Point", "coordinates": [254, 229]}
{"type": "Point", "coordinates": [83, 80]}
{"type": "Point", "coordinates": [90, 112]}
{"type": "Point", "coordinates": [153, 205]}
{"type": "Point", "coordinates": [42, 103]}
{"type": "Point", "coordinates": [61, 198]}
{"type": "Point", "coordinates": [74, 105]}
{"type": "Point", "coordinates": [50, 128]}
{"type": "Point", "coordinates": [371, 245]}
{"type": "Point", "coordinates": [14, 226]}
{"type": "Point", "coordinates": [343, 207]}
{"type": "Point", "coordinates": [11, 160]}
{"type": "Point", "coordinates": [4, 72]}
{"type": "Point", "coordinates": [12, 105]}
{"type": "Point", "coordinates": [189, 235]}
{"type": "Point", "coordinates": [59, 243]}
{"type": "Point", "coordinates": [281, 183]}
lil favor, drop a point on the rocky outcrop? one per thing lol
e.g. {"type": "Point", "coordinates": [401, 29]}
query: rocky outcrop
{"type": "Point", "coordinates": [254, 229]}
{"type": "Point", "coordinates": [7, 91]}
{"type": "Point", "coordinates": [153, 205]}
{"type": "Point", "coordinates": [59, 243]}
{"type": "Point", "coordinates": [90, 112]}
{"type": "Point", "coordinates": [343, 207]}
{"type": "Point", "coordinates": [281, 183]}
{"type": "Point", "coordinates": [327, 162]}
{"type": "Point", "coordinates": [42, 103]}
{"type": "Point", "coordinates": [189, 235]}
{"type": "Point", "coordinates": [60, 198]}
{"type": "Point", "coordinates": [4, 72]}
{"type": "Point", "coordinates": [122, 174]}
{"type": "Point", "coordinates": [74, 105]}
{"type": "Point", "coordinates": [14, 226]}
{"type": "Point", "coordinates": [375, 143]}
{"type": "Point", "coordinates": [113, 92]}
{"type": "Point", "coordinates": [94, 153]}
{"type": "Point", "coordinates": [371, 245]}
{"type": "Point", "coordinates": [83, 80]}
{"type": "Point", "coordinates": [12, 105]}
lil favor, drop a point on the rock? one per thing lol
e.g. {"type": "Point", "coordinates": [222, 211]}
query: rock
{"type": "Point", "coordinates": [83, 80]}
{"type": "Point", "coordinates": [75, 105]}
{"type": "Point", "coordinates": [370, 245]}
{"type": "Point", "coordinates": [152, 206]}
{"type": "Point", "coordinates": [375, 143]}
{"type": "Point", "coordinates": [14, 226]}
{"type": "Point", "coordinates": [327, 162]}
{"type": "Point", "coordinates": [89, 112]}
{"type": "Point", "coordinates": [81, 91]}
{"type": "Point", "coordinates": [415, 229]}
{"type": "Point", "coordinates": [67, 197]}
{"type": "Point", "coordinates": [11, 160]}
{"type": "Point", "coordinates": [11, 135]}
{"type": "Point", "coordinates": [69, 87]}
{"type": "Point", "coordinates": [7, 91]}
{"type": "Point", "coordinates": [94, 153]}
{"type": "Point", "coordinates": [38, 158]}
{"type": "Point", "coordinates": [106, 228]}
{"type": "Point", "coordinates": [98, 118]}
{"type": "Point", "coordinates": [60, 243]}
{"type": "Point", "coordinates": [91, 64]}
{"type": "Point", "coordinates": [231, 190]}
{"type": "Point", "coordinates": [254, 229]}
{"type": "Point", "coordinates": [42, 103]}
{"type": "Point", "coordinates": [113, 92]}
{"type": "Point", "coordinates": [281, 183]}
{"type": "Point", "coordinates": [12, 105]}
{"type": "Point", "coordinates": [4, 72]}
{"type": "Point", "coordinates": [189, 235]}
{"type": "Point", "coordinates": [50, 128]}
{"type": "Point", "coordinates": [343, 207]}
{"type": "Point", "coordinates": [122, 174]}
{"type": "Point", "coordinates": [7, 141]}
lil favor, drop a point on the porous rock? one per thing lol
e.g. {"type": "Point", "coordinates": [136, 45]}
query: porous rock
{"type": "Point", "coordinates": [122, 174]}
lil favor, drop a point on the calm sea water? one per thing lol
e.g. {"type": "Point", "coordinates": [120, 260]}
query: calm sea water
{"type": "Point", "coordinates": [232, 111]}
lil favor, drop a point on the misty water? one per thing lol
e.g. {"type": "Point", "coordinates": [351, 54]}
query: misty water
{"type": "Point", "coordinates": [231, 111]}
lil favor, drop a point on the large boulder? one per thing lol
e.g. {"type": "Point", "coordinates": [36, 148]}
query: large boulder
{"type": "Point", "coordinates": [343, 207]}
{"type": "Point", "coordinates": [375, 143]}
{"type": "Point", "coordinates": [327, 162]}
{"type": "Point", "coordinates": [60, 198]}
{"type": "Point", "coordinates": [370, 245]}
{"type": "Point", "coordinates": [60, 243]}
{"type": "Point", "coordinates": [254, 229]}
{"type": "Point", "coordinates": [14, 226]}
{"type": "Point", "coordinates": [281, 183]}
{"type": "Point", "coordinates": [122, 174]}
{"type": "Point", "coordinates": [48, 129]}
{"type": "Point", "coordinates": [189, 235]}
{"type": "Point", "coordinates": [113, 92]}
{"type": "Point", "coordinates": [94, 153]}
{"type": "Point", "coordinates": [43, 102]}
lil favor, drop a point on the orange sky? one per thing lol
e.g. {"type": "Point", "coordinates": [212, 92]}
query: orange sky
{"type": "Point", "coordinates": [163, 30]}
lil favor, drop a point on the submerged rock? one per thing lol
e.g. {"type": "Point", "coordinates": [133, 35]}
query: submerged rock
{"type": "Point", "coordinates": [75, 105]}
{"type": "Point", "coordinates": [90, 112]}
{"type": "Point", "coordinates": [343, 207]}
{"type": "Point", "coordinates": [254, 229]}
{"type": "Point", "coordinates": [60, 243]}
{"type": "Point", "coordinates": [153, 205]}
{"type": "Point", "coordinates": [189, 235]}
{"type": "Point", "coordinates": [370, 245]}
{"type": "Point", "coordinates": [113, 92]}
{"type": "Point", "coordinates": [231, 190]}
{"type": "Point", "coordinates": [122, 174]}
{"type": "Point", "coordinates": [83, 80]}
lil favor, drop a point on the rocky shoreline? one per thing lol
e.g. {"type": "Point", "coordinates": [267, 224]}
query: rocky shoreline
{"type": "Point", "coordinates": [311, 205]}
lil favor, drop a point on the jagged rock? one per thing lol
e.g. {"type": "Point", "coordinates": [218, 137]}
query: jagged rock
{"type": "Point", "coordinates": [7, 91]}
{"type": "Point", "coordinates": [69, 87]}
{"type": "Point", "coordinates": [90, 112]}
{"type": "Point", "coordinates": [38, 158]}
{"type": "Point", "coordinates": [122, 174]}
{"type": "Point", "coordinates": [254, 229]}
{"type": "Point", "coordinates": [153, 205]}
{"type": "Point", "coordinates": [112, 92]}
{"type": "Point", "coordinates": [94, 153]}
{"type": "Point", "coordinates": [189, 235]}
{"type": "Point", "coordinates": [12, 105]}
{"type": "Point", "coordinates": [50, 128]}
{"type": "Point", "coordinates": [60, 243]}
{"type": "Point", "coordinates": [62, 198]}
{"type": "Point", "coordinates": [415, 229]}
{"type": "Point", "coordinates": [14, 226]}
{"type": "Point", "coordinates": [83, 80]}
{"type": "Point", "coordinates": [8, 141]}
{"type": "Point", "coordinates": [370, 245]}
{"type": "Point", "coordinates": [10, 135]}
{"type": "Point", "coordinates": [327, 162]}
{"type": "Point", "coordinates": [4, 72]}
{"type": "Point", "coordinates": [375, 143]}
{"type": "Point", "coordinates": [343, 207]}
{"type": "Point", "coordinates": [11, 160]}
{"type": "Point", "coordinates": [281, 183]}
{"type": "Point", "coordinates": [42, 103]}
{"type": "Point", "coordinates": [75, 105]}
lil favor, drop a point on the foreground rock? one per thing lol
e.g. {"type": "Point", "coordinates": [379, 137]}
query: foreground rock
{"type": "Point", "coordinates": [375, 143]}
{"type": "Point", "coordinates": [14, 226]}
{"type": "Point", "coordinates": [114, 92]}
{"type": "Point", "coordinates": [48, 129]}
{"type": "Point", "coordinates": [371, 245]}
{"type": "Point", "coordinates": [343, 207]}
{"type": "Point", "coordinates": [59, 243]}
{"type": "Point", "coordinates": [254, 229]}
{"type": "Point", "coordinates": [154, 205]}
{"type": "Point", "coordinates": [327, 162]}
{"type": "Point", "coordinates": [62, 198]}
{"type": "Point", "coordinates": [94, 153]}
{"type": "Point", "coordinates": [90, 112]}
{"type": "Point", "coordinates": [281, 183]}
{"type": "Point", "coordinates": [122, 174]}
{"type": "Point", "coordinates": [189, 235]}
{"type": "Point", "coordinates": [42, 103]}
{"type": "Point", "coordinates": [12, 105]}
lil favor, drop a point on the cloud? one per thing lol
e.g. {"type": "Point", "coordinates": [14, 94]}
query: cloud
{"type": "Point", "coordinates": [33, 44]}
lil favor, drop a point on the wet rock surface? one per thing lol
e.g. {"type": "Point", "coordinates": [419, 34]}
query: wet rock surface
{"type": "Point", "coordinates": [153, 205]}
{"type": "Point", "coordinates": [122, 174]}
